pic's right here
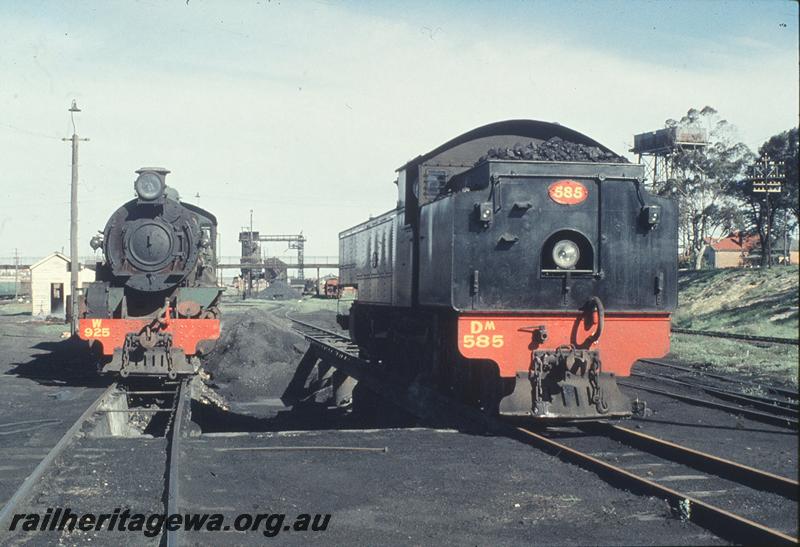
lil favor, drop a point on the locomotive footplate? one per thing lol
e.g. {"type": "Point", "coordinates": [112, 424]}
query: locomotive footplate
{"type": "Point", "coordinates": [566, 384]}
{"type": "Point", "coordinates": [149, 353]}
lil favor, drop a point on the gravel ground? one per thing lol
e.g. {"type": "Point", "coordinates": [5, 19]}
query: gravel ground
{"type": "Point", "coordinates": [45, 385]}
{"type": "Point", "coordinates": [431, 487]}
{"type": "Point", "coordinates": [763, 507]}
{"type": "Point", "coordinates": [763, 446]}
{"type": "Point", "coordinates": [98, 476]}
{"type": "Point", "coordinates": [746, 441]}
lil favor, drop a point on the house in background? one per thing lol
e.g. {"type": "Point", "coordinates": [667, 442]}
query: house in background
{"type": "Point", "coordinates": [732, 251]}
{"type": "Point", "coordinates": [780, 256]}
{"type": "Point", "coordinates": [50, 285]}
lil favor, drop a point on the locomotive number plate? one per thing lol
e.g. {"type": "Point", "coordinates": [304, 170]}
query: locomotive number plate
{"type": "Point", "coordinates": [568, 192]}
{"type": "Point", "coordinates": [477, 337]}
{"type": "Point", "coordinates": [97, 330]}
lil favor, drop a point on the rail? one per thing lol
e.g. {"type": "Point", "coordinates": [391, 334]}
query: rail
{"type": "Point", "coordinates": [426, 403]}
{"type": "Point", "coordinates": [755, 415]}
{"type": "Point", "coordinates": [713, 518]}
{"type": "Point", "coordinates": [772, 406]}
{"type": "Point", "coordinates": [702, 461]}
{"type": "Point", "coordinates": [727, 379]}
{"type": "Point", "coordinates": [181, 409]}
{"type": "Point", "coordinates": [733, 336]}
{"type": "Point", "coordinates": [27, 485]}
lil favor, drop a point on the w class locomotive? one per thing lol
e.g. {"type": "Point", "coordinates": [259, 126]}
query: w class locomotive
{"type": "Point", "coordinates": [153, 308]}
{"type": "Point", "coordinates": [524, 268]}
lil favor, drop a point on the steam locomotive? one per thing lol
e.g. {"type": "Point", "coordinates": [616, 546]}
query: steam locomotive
{"type": "Point", "coordinates": [153, 308]}
{"type": "Point", "coordinates": [524, 268]}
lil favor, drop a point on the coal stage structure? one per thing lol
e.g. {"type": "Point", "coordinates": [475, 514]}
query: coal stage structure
{"type": "Point", "coordinates": [254, 266]}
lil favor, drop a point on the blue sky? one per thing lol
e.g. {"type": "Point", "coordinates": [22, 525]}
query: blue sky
{"type": "Point", "coordinates": [649, 28]}
{"type": "Point", "coordinates": [302, 110]}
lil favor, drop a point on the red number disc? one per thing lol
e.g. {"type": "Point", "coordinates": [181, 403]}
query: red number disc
{"type": "Point", "coordinates": [568, 192]}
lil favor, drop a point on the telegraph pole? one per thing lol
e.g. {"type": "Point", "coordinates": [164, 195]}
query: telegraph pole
{"type": "Point", "coordinates": [785, 237]}
{"type": "Point", "coordinates": [16, 274]}
{"type": "Point", "coordinates": [250, 271]}
{"type": "Point", "coordinates": [218, 257]}
{"type": "Point", "coordinates": [73, 223]}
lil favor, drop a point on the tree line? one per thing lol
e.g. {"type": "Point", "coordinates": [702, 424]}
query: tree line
{"type": "Point", "coordinates": [714, 191]}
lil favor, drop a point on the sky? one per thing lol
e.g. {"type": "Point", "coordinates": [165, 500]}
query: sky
{"type": "Point", "coordinates": [302, 111]}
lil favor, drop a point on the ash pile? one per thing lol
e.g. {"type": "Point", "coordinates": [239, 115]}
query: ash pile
{"type": "Point", "coordinates": [279, 290]}
{"type": "Point", "coordinates": [255, 357]}
{"type": "Point", "coordinates": [554, 149]}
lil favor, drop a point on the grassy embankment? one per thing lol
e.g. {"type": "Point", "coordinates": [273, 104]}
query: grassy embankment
{"type": "Point", "coordinates": [745, 301]}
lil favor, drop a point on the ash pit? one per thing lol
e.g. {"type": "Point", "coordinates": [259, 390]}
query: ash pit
{"type": "Point", "coordinates": [143, 408]}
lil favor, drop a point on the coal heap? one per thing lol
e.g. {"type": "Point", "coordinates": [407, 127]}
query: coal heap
{"type": "Point", "coordinates": [554, 149]}
{"type": "Point", "coordinates": [279, 290]}
{"type": "Point", "coordinates": [255, 357]}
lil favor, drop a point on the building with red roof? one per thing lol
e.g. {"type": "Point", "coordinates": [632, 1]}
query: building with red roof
{"type": "Point", "coordinates": [731, 251]}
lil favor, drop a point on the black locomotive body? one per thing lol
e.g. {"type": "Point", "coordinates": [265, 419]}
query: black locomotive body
{"type": "Point", "coordinates": [153, 306]}
{"type": "Point", "coordinates": [520, 285]}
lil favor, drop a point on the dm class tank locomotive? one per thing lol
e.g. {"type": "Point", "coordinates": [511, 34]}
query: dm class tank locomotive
{"type": "Point", "coordinates": [153, 308]}
{"type": "Point", "coordinates": [524, 268]}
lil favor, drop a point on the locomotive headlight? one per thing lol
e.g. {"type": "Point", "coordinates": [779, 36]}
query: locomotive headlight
{"type": "Point", "coordinates": [566, 254]}
{"type": "Point", "coordinates": [149, 186]}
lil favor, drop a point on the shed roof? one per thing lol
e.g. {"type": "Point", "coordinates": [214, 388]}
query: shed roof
{"type": "Point", "coordinates": [734, 242]}
{"type": "Point", "coordinates": [56, 254]}
{"type": "Point", "coordinates": [63, 257]}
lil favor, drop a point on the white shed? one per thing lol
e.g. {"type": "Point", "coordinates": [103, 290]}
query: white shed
{"type": "Point", "coordinates": [50, 286]}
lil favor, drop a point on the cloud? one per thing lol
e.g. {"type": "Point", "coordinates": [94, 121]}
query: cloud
{"type": "Point", "coordinates": [303, 112]}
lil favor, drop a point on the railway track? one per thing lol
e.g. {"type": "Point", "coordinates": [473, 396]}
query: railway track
{"type": "Point", "coordinates": [115, 417]}
{"type": "Point", "coordinates": [426, 404]}
{"type": "Point", "coordinates": [27, 485]}
{"type": "Point", "coordinates": [733, 336]}
{"type": "Point", "coordinates": [791, 396]}
{"type": "Point", "coordinates": [782, 411]}
{"type": "Point", "coordinates": [176, 432]}
{"type": "Point", "coordinates": [755, 415]}
{"type": "Point", "coordinates": [765, 404]}
{"type": "Point", "coordinates": [688, 505]}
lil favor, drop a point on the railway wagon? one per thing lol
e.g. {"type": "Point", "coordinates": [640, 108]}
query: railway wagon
{"type": "Point", "coordinates": [331, 288]}
{"type": "Point", "coordinates": [153, 308]}
{"type": "Point", "coordinates": [524, 268]}
{"type": "Point", "coordinates": [328, 287]}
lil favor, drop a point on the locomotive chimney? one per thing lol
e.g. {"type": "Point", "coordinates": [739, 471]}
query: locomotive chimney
{"type": "Point", "coordinates": [162, 172]}
{"type": "Point", "coordinates": [150, 184]}
{"type": "Point", "coordinates": [159, 172]}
